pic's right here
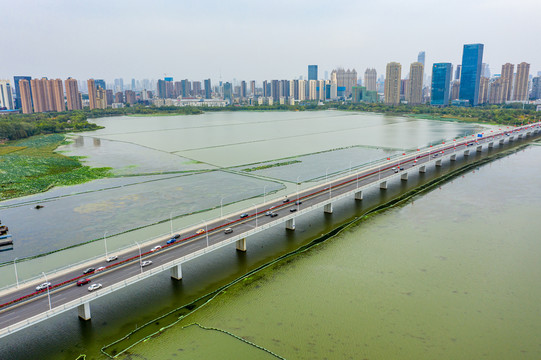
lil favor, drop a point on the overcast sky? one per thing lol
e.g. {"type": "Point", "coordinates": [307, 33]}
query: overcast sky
{"type": "Point", "coordinates": [252, 39]}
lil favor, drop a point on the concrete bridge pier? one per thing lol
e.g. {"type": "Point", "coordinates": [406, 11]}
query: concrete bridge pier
{"type": "Point", "coordinates": [467, 152]}
{"type": "Point", "coordinates": [511, 138]}
{"type": "Point", "coordinates": [404, 176]}
{"type": "Point", "coordinates": [241, 244]}
{"type": "Point", "coordinates": [502, 141]}
{"type": "Point", "coordinates": [383, 185]}
{"type": "Point", "coordinates": [480, 148]}
{"type": "Point", "coordinates": [328, 208]}
{"type": "Point", "coordinates": [422, 169]}
{"type": "Point", "coordinates": [290, 224]}
{"type": "Point", "coordinates": [520, 136]}
{"type": "Point", "coordinates": [452, 157]}
{"type": "Point", "coordinates": [176, 272]}
{"type": "Point", "coordinates": [491, 145]}
{"type": "Point", "coordinates": [84, 311]}
{"type": "Point", "coordinates": [359, 195]}
{"type": "Point", "coordinates": [438, 163]}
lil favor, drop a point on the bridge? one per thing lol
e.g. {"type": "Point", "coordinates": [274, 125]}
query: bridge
{"type": "Point", "coordinates": [23, 306]}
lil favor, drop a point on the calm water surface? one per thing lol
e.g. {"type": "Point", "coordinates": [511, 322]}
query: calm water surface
{"type": "Point", "coordinates": [454, 274]}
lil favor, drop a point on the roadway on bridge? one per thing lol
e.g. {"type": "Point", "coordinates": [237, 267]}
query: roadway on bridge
{"type": "Point", "coordinates": [188, 243]}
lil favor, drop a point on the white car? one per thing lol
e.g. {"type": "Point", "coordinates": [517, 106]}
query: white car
{"type": "Point", "coordinates": [155, 248]}
{"type": "Point", "coordinates": [43, 286]}
{"type": "Point", "coordinates": [101, 268]}
{"type": "Point", "coordinates": [146, 263]}
{"type": "Point", "coordinates": [111, 258]}
{"type": "Point", "coordinates": [94, 287]}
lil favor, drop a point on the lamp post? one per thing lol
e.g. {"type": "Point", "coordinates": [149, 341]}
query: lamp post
{"type": "Point", "coordinates": [16, 276]}
{"type": "Point", "coordinates": [105, 242]}
{"type": "Point", "coordinates": [171, 221]}
{"type": "Point", "coordinates": [140, 263]}
{"type": "Point", "coordinates": [298, 192]}
{"type": "Point", "coordinates": [255, 214]}
{"type": "Point", "coordinates": [264, 193]}
{"type": "Point", "coordinates": [48, 293]}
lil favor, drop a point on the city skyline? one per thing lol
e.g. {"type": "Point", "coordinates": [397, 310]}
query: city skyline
{"type": "Point", "coordinates": [216, 51]}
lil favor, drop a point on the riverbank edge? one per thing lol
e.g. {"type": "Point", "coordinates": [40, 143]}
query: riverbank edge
{"type": "Point", "coordinates": [189, 308]}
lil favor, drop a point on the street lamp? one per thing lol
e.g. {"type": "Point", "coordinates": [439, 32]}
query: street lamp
{"type": "Point", "coordinates": [264, 193]}
{"type": "Point", "coordinates": [140, 263]}
{"type": "Point", "coordinates": [48, 294]}
{"type": "Point", "coordinates": [298, 192]}
{"type": "Point", "coordinates": [255, 214]}
{"type": "Point", "coordinates": [16, 276]}
{"type": "Point", "coordinates": [171, 221]}
{"type": "Point", "coordinates": [105, 242]}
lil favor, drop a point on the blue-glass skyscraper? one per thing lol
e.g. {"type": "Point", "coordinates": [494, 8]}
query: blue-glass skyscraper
{"type": "Point", "coordinates": [16, 80]}
{"type": "Point", "coordinates": [100, 83]}
{"type": "Point", "coordinates": [312, 72]}
{"type": "Point", "coordinates": [441, 80]}
{"type": "Point", "coordinates": [207, 89]}
{"type": "Point", "coordinates": [472, 60]}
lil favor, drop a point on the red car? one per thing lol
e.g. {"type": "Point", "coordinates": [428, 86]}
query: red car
{"type": "Point", "coordinates": [82, 282]}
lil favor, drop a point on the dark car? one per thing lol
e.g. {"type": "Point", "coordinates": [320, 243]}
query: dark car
{"type": "Point", "coordinates": [82, 282]}
{"type": "Point", "coordinates": [244, 215]}
{"type": "Point", "coordinates": [176, 236]}
{"type": "Point", "coordinates": [298, 202]}
{"type": "Point", "coordinates": [285, 200]}
{"type": "Point", "coordinates": [273, 215]}
{"type": "Point", "coordinates": [89, 271]}
{"type": "Point", "coordinates": [293, 209]}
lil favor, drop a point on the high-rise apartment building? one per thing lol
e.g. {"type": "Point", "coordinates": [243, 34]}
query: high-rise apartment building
{"type": "Point", "coordinates": [485, 70]}
{"type": "Point", "coordinates": [228, 92]}
{"type": "Point", "coordinates": [252, 88]}
{"type": "Point", "coordinates": [312, 72]}
{"type": "Point", "coordinates": [506, 82]}
{"type": "Point", "coordinates": [370, 79]}
{"type": "Point", "coordinates": [495, 92]}
{"type": "Point", "coordinates": [345, 80]}
{"type": "Point", "coordinates": [520, 91]}
{"type": "Point", "coordinates": [455, 90]}
{"type": "Point", "coordinates": [243, 89]}
{"type": "Point", "coordinates": [119, 85]}
{"type": "Point", "coordinates": [130, 97]}
{"type": "Point", "coordinates": [56, 95]}
{"type": "Point", "coordinates": [392, 83]}
{"type": "Point", "coordinates": [6, 100]}
{"type": "Point", "coordinates": [40, 95]}
{"type": "Point", "coordinates": [483, 90]}
{"type": "Point", "coordinates": [421, 57]}
{"type": "Point", "coordinates": [101, 98]}
{"type": "Point", "coordinates": [472, 59]}
{"type": "Point", "coordinates": [26, 96]}
{"type": "Point", "coordinates": [196, 88]}
{"type": "Point", "coordinates": [208, 91]}
{"type": "Point", "coordinates": [92, 94]}
{"type": "Point", "coordinates": [18, 100]}
{"type": "Point", "coordinates": [73, 96]}
{"type": "Point", "coordinates": [415, 93]}
{"type": "Point", "coordinates": [312, 89]}
{"type": "Point", "coordinates": [110, 96]}
{"type": "Point", "coordinates": [161, 89]}
{"type": "Point", "coordinates": [441, 81]}
{"type": "Point", "coordinates": [536, 88]}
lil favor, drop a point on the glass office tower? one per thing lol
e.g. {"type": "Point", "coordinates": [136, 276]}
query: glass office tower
{"type": "Point", "coordinates": [312, 72]}
{"type": "Point", "coordinates": [441, 80]}
{"type": "Point", "coordinates": [472, 60]}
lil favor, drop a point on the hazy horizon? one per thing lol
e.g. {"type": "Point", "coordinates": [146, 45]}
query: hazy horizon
{"type": "Point", "coordinates": [247, 40]}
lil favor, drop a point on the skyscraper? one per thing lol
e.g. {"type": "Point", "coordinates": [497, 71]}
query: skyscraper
{"type": "Point", "coordinates": [252, 87]}
{"type": "Point", "coordinates": [18, 102]}
{"type": "Point", "coordinates": [485, 70]}
{"type": "Point", "coordinates": [312, 72]}
{"type": "Point", "coordinates": [421, 57]}
{"type": "Point", "coordinates": [161, 89]}
{"type": "Point", "coordinates": [243, 89]}
{"type": "Point", "coordinates": [457, 72]}
{"type": "Point", "coordinates": [228, 92]}
{"type": "Point", "coordinates": [207, 89]}
{"type": "Point", "coordinates": [370, 79]}
{"type": "Point", "coordinates": [441, 80]}
{"type": "Point", "coordinates": [415, 93]}
{"type": "Point", "coordinates": [483, 90]}
{"type": "Point", "coordinates": [506, 82]}
{"type": "Point", "coordinates": [91, 84]}
{"type": "Point", "coordinates": [39, 95]}
{"type": "Point", "coordinates": [521, 82]}
{"type": "Point", "coordinates": [345, 80]}
{"type": "Point", "coordinates": [495, 93]}
{"type": "Point", "coordinates": [119, 85]}
{"type": "Point", "coordinates": [72, 94]}
{"type": "Point", "coordinates": [56, 95]}
{"type": "Point", "coordinates": [26, 97]}
{"type": "Point", "coordinates": [6, 100]}
{"type": "Point", "coordinates": [536, 88]}
{"type": "Point", "coordinates": [392, 83]}
{"type": "Point", "coordinates": [100, 83]}
{"type": "Point", "coordinates": [472, 59]}
{"type": "Point", "coordinates": [196, 88]}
